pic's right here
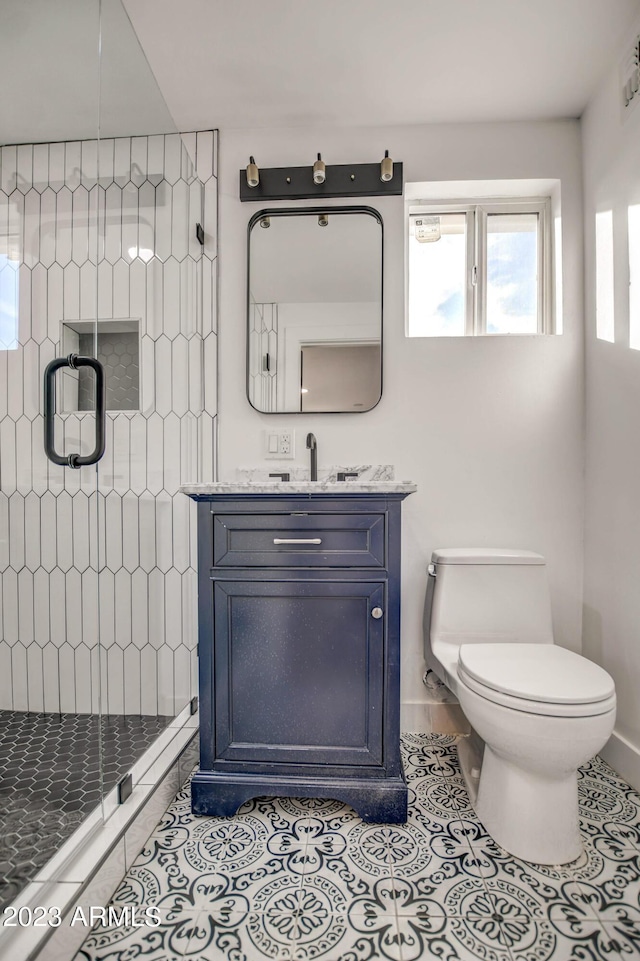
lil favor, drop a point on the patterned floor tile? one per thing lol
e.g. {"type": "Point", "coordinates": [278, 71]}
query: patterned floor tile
{"type": "Point", "coordinates": [554, 890]}
{"type": "Point", "coordinates": [621, 938]}
{"type": "Point", "coordinates": [374, 936]}
{"type": "Point", "coordinates": [607, 872]}
{"type": "Point", "coordinates": [598, 767]}
{"type": "Point", "coordinates": [470, 937]}
{"type": "Point", "coordinates": [168, 941]}
{"type": "Point", "coordinates": [546, 941]}
{"type": "Point", "coordinates": [317, 933]}
{"type": "Point", "coordinates": [608, 806]}
{"type": "Point", "coordinates": [413, 937]}
{"type": "Point", "coordinates": [421, 740]}
{"type": "Point", "coordinates": [347, 881]}
{"type": "Point", "coordinates": [280, 813]}
{"type": "Point", "coordinates": [586, 940]}
{"type": "Point", "coordinates": [449, 870]}
{"type": "Point", "coordinates": [294, 879]}
{"type": "Point", "coordinates": [430, 755]}
{"type": "Point", "coordinates": [423, 899]}
{"type": "Point", "coordinates": [602, 834]}
{"type": "Point", "coordinates": [245, 847]}
{"type": "Point", "coordinates": [447, 839]}
{"type": "Point", "coordinates": [243, 936]}
{"type": "Point", "coordinates": [179, 814]}
{"type": "Point", "coordinates": [444, 798]}
{"type": "Point", "coordinates": [613, 896]}
{"type": "Point", "coordinates": [314, 931]}
{"type": "Point", "coordinates": [299, 925]}
{"type": "Point", "coordinates": [540, 897]}
{"type": "Point", "coordinates": [380, 850]}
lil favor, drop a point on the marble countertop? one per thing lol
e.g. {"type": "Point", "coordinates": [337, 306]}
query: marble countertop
{"type": "Point", "coordinates": [299, 487]}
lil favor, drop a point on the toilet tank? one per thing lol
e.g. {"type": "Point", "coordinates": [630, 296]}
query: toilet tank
{"type": "Point", "coordinates": [488, 595]}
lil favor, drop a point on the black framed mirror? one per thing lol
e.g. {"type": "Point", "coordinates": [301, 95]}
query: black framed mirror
{"type": "Point", "coordinates": [314, 310]}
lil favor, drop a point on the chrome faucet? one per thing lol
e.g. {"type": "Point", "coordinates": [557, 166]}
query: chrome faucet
{"type": "Point", "coordinates": [312, 445]}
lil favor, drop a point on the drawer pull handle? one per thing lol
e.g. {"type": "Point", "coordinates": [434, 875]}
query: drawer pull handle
{"type": "Point", "coordinates": [297, 540]}
{"type": "Point", "coordinates": [377, 613]}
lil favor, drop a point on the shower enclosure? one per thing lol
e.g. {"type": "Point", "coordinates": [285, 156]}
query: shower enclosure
{"type": "Point", "coordinates": [102, 262]}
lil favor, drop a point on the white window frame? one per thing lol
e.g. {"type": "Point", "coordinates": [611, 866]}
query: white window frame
{"type": "Point", "coordinates": [477, 212]}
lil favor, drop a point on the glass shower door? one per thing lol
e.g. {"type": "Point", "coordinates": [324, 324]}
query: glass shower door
{"type": "Point", "coordinates": [149, 339]}
{"type": "Point", "coordinates": [150, 342]}
{"type": "Point", "coordinates": [50, 757]}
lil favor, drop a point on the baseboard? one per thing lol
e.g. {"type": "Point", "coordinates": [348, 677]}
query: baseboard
{"type": "Point", "coordinates": [414, 717]}
{"type": "Point", "coordinates": [427, 717]}
{"type": "Point", "coordinates": [624, 757]}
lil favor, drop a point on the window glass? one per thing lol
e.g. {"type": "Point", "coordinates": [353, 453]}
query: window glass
{"type": "Point", "coordinates": [437, 274]}
{"type": "Point", "coordinates": [512, 273]}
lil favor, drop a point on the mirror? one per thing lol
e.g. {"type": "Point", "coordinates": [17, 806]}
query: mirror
{"type": "Point", "coordinates": [314, 339]}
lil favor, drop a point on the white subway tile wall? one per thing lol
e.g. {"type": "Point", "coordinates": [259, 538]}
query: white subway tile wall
{"type": "Point", "coordinates": [107, 229]}
{"type": "Point", "coordinates": [263, 354]}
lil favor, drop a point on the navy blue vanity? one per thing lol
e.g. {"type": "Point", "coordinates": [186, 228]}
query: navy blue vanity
{"type": "Point", "coordinates": [299, 645]}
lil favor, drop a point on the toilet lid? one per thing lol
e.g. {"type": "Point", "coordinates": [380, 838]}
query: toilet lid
{"type": "Point", "coordinates": [536, 672]}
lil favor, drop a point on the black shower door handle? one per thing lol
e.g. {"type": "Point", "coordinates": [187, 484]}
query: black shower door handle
{"type": "Point", "coordinates": [74, 361]}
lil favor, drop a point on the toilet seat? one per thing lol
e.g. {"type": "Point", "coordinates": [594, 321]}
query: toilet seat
{"type": "Point", "coordinates": [537, 678]}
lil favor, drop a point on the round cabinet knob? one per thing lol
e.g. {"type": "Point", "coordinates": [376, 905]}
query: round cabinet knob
{"type": "Point", "coordinates": [377, 613]}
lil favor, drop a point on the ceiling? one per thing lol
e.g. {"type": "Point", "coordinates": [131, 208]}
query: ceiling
{"type": "Point", "coordinates": [71, 68]}
{"type": "Point", "coordinates": [267, 63]}
{"type": "Point", "coordinates": [264, 63]}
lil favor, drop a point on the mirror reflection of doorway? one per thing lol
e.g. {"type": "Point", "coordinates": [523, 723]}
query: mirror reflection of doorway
{"type": "Point", "coordinates": [339, 377]}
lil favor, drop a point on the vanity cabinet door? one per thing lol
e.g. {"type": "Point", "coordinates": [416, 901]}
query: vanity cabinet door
{"type": "Point", "coordinates": [298, 668]}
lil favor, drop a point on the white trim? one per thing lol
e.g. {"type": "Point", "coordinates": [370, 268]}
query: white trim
{"type": "Point", "coordinates": [471, 290]}
{"type": "Point", "coordinates": [443, 190]}
{"type": "Point", "coordinates": [624, 757]}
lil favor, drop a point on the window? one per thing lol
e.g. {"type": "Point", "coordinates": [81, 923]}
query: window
{"type": "Point", "coordinates": [479, 268]}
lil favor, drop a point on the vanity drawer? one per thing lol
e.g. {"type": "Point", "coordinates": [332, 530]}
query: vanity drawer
{"type": "Point", "coordinates": [299, 540]}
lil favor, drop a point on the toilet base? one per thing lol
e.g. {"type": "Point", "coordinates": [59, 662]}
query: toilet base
{"type": "Point", "coordinates": [531, 817]}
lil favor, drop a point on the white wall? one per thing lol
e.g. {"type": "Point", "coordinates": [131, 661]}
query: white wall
{"type": "Point", "coordinates": [612, 530]}
{"type": "Point", "coordinates": [489, 428]}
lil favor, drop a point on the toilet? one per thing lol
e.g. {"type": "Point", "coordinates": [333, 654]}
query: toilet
{"type": "Point", "coordinates": [537, 711]}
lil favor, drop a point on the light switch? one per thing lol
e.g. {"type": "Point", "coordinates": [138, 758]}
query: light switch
{"type": "Point", "coordinates": [273, 443]}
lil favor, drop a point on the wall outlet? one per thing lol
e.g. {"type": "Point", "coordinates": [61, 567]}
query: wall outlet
{"type": "Point", "coordinates": [284, 445]}
{"type": "Point", "coordinates": [279, 444]}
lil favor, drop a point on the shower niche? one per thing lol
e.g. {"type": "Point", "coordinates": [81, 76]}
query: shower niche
{"type": "Point", "coordinates": [117, 346]}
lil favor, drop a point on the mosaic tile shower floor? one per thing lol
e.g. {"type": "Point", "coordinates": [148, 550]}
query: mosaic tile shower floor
{"type": "Point", "coordinates": [302, 879]}
{"type": "Point", "coordinates": [50, 781]}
